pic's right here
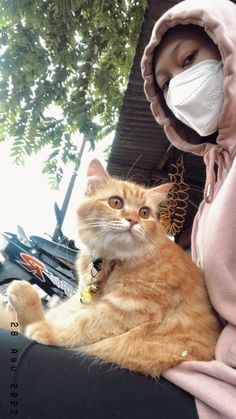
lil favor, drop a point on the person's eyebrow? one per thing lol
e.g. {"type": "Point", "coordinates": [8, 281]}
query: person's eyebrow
{"type": "Point", "coordinates": [173, 52]}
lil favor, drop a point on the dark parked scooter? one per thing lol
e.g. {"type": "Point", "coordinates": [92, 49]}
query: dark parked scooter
{"type": "Point", "coordinates": [46, 264]}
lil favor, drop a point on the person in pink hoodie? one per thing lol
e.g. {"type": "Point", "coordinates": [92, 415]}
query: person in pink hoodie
{"type": "Point", "coordinates": [189, 71]}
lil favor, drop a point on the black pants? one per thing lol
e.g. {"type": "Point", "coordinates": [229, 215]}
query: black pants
{"type": "Point", "coordinates": [41, 382]}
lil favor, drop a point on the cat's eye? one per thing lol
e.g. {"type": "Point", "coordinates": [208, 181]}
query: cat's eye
{"type": "Point", "coordinates": [144, 212]}
{"type": "Point", "coordinates": [116, 202]}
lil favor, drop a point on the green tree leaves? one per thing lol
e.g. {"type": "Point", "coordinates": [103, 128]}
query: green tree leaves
{"type": "Point", "coordinates": [75, 54]}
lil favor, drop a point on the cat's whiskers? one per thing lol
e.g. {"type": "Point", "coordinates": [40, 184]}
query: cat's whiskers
{"type": "Point", "coordinates": [143, 234]}
{"type": "Point", "coordinates": [150, 249]}
{"type": "Point", "coordinates": [96, 237]}
{"type": "Point", "coordinates": [161, 262]}
{"type": "Point", "coordinates": [149, 242]}
{"type": "Point", "coordinates": [158, 248]}
{"type": "Point", "coordinates": [113, 224]}
{"type": "Point", "coordinates": [156, 245]}
{"type": "Point", "coordinates": [89, 225]}
{"type": "Point", "coordinates": [116, 225]}
{"type": "Point", "coordinates": [86, 223]}
{"type": "Point", "coordinates": [90, 220]}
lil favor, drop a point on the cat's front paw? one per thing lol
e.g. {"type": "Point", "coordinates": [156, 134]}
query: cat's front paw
{"type": "Point", "coordinates": [22, 295]}
{"type": "Point", "coordinates": [41, 332]}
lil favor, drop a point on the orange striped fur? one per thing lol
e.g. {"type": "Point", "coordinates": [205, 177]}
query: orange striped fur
{"type": "Point", "coordinates": [152, 310]}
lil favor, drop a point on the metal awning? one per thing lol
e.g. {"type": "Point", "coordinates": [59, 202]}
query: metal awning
{"type": "Point", "coordinates": [140, 148]}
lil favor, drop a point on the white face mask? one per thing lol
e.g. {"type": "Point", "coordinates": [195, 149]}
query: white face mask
{"type": "Point", "coordinates": [195, 96]}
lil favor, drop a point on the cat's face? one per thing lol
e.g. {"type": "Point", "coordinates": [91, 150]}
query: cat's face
{"type": "Point", "coordinates": [117, 219]}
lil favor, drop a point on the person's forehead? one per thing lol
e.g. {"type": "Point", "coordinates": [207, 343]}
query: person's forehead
{"type": "Point", "coordinates": [173, 36]}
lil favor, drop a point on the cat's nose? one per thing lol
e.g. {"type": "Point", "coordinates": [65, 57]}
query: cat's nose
{"type": "Point", "coordinates": [132, 221]}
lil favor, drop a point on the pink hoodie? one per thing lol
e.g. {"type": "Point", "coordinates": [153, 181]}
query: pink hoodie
{"type": "Point", "coordinates": [214, 232]}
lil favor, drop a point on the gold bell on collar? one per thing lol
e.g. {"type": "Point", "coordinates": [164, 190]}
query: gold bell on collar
{"type": "Point", "coordinates": [87, 295]}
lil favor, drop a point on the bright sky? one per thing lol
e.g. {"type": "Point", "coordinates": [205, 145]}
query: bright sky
{"type": "Point", "coordinates": [27, 199]}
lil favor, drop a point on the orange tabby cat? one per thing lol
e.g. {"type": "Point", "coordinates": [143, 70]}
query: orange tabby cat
{"type": "Point", "coordinates": [143, 305]}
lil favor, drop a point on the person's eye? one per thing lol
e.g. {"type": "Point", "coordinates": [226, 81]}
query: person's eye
{"type": "Point", "coordinates": [188, 60]}
{"type": "Point", "coordinates": [165, 86]}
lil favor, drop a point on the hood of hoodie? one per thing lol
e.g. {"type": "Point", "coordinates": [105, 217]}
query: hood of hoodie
{"type": "Point", "coordinates": [218, 19]}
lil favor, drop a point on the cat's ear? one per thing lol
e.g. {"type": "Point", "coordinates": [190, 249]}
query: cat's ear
{"type": "Point", "coordinates": [96, 177]}
{"type": "Point", "coordinates": [159, 193]}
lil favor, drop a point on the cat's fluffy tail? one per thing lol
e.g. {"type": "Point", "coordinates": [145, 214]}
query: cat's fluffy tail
{"type": "Point", "coordinates": [7, 316]}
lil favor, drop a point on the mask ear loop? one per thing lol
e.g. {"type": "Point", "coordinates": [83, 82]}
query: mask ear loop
{"type": "Point", "coordinates": [173, 211]}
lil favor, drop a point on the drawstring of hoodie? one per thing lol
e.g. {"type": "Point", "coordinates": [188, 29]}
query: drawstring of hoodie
{"type": "Point", "coordinates": [217, 155]}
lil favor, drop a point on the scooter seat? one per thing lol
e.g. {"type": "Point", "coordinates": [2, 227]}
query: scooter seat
{"type": "Point", "coordinates": [55, 249]}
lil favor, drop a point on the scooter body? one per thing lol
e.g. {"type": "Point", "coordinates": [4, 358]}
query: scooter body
{"type": "Point", "coordinates": [47, 265]}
